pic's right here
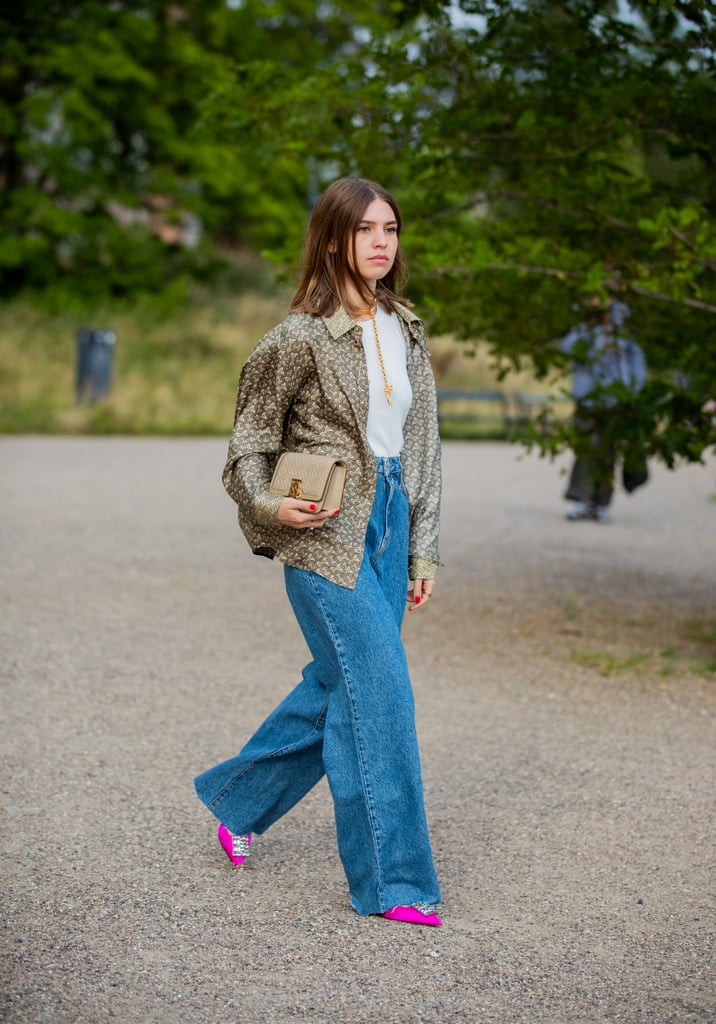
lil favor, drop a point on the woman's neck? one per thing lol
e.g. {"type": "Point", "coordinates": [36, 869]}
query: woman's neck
{"type": "Point", "coordinates": [356, 303]}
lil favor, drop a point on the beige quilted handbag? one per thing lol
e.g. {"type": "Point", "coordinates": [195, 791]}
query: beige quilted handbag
{"type": "Point", "coordinates": [316, 478]}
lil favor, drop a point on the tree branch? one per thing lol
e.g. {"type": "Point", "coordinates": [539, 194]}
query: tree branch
{"type": "Point", "coordinates": [543, 157]}
{"type": "Point", "coordinates": [522, 267]}
{"type": "Point", "coordinates": [705, 307]}
{"type": "Point", "coordinates": [681, 237]}
{"type": "Point", "coordinates": [526, 268]}
{"type": "Point", "coordinates": [525, 197]}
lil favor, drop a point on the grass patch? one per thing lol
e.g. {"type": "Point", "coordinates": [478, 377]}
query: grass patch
{"type": "Point", "coordinates": [701, 632]}
{"type": "Point", "coordinates": [693, 648]}
{"type": "Point", "coordinates": [473, 430]}
{"type": "Point", "coordinates": [668, 659]}
{"type": "Point", "coordinates": [176, 364]}
{"type": "Point", "coordinates": [462, 367]}
{"type": "Point", "coordinates": [608, 664]}
{"type": "Point", "coordinates": [173, 373]}
{"type": "Point", "coordinates": [570, 606]}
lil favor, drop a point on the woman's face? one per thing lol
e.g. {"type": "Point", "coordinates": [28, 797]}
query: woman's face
{"type": "Point", "coordinates": [376, 242]}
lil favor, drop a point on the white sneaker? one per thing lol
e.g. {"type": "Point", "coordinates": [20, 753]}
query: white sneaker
{"type": "Point", "coordinates": [580, 510]}
{"type": "Point", "coordinates": [601, 514]}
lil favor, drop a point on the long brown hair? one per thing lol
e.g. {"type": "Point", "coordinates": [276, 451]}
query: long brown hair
{"type": "Point", "coordinates": [330, 250]}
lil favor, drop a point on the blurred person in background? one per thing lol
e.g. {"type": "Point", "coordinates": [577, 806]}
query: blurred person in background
{"type": "Point", "coordinates": [605, 359]}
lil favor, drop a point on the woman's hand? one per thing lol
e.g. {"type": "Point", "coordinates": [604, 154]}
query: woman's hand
{"type": "Point", "coordinates": [302, 515]}
{"type": "Point", "coordinates": [419, 593]}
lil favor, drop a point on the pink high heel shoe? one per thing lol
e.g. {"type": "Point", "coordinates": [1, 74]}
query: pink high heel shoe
{"type": "Point", "coordinates": [236, 848]}
{"type": "Point", "coordinates": [418, 913]}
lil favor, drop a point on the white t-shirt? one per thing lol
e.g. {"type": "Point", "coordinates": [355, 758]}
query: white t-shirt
{"type": "Point", "coordinates": [385, 422]}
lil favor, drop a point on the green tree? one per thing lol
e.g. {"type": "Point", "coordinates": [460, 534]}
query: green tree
{"type": "Point", "coordinates": [587, 145]}
{"type": "Point", "coordinates": [94, 102]}
{"type": "Point", "coordinates": [544, 153]}
{"type": "Point", "coordinates": [107, 157]}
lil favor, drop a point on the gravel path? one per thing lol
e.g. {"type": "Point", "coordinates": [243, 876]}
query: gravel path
{"type": "Point", "coordinates": [566, 690]}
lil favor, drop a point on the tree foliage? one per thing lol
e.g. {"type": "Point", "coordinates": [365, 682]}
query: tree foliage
{"type": "Point", "coordinates": [107, 160]}
{"type": "Point", "coordinates": [543, 152]}
{"type": "Point", "coordinates": [104, 168]}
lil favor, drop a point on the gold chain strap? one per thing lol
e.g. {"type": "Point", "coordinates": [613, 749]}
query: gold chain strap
{"type": "Point", "coordinates": [386, 386]}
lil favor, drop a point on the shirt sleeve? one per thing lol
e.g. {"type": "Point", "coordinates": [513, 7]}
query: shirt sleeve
{"type": "Point", "coordinates": [638, 366]}
{"type": "Point", "coordinates": [269, 381]}
{"type": "Point", "coordinates": [423, 474]}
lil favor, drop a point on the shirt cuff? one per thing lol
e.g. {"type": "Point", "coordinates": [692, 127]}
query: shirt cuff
{"type": "Point", "coordinates": [266, 508]}
{"type": "Point", "coordinates": [422, 569]}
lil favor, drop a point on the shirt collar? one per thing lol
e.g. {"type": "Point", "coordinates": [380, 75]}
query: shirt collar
{"type": "Point", "coordinates": [340, 323]}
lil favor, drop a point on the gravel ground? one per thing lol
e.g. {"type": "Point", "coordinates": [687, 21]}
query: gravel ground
{"type": "Point", "coordinates": [565, 682]}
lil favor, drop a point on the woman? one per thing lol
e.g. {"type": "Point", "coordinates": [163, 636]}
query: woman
{"type": "Point", "coordinates": [347, 374]}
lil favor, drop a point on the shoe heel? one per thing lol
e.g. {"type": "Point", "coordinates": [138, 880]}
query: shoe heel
{"type": "Point", "coordinates": [421, 914]}
{"type": "Point", "coordinates": [236, 848]}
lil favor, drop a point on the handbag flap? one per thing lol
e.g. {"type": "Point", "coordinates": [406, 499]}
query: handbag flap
{"type": "Point", "coordinates": [304, 476]}
{"type": "Point", "coordinates": [336, 483]}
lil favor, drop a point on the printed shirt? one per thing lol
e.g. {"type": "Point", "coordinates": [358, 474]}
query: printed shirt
{"type": "Point", "coordinates": [305, 388]}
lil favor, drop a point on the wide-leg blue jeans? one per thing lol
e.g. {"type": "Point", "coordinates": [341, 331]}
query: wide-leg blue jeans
{"type": "Point", "coordinates": [352, 717]}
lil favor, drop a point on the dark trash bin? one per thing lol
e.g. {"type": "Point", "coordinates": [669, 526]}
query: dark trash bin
{"type": "Point", "coordinates": [95, 354]}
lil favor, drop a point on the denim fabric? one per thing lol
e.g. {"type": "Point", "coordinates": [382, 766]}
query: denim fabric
{"type": "Point", "coordinates": [352, 717]}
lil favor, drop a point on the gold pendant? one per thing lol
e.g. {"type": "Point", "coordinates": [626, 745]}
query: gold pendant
{"type": "Point", "coordinates": [388, 389]}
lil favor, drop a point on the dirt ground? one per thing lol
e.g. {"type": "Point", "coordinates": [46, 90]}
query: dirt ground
{"type": "Point", "coordinates": [565, 676]}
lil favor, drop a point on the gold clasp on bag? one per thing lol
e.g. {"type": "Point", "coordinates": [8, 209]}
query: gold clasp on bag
{"type": "Point", "coordinates": [294, 490]}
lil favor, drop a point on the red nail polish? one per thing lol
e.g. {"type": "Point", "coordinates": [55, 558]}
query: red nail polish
{"type": "Point", "coordinates": [336, 512]}
{"type": "Point", "coordinates": [312, 508]}
{"type": "Point", "coordinates": [417, 598]}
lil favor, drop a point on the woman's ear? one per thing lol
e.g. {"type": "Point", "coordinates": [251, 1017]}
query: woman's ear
{"type": "Point", "coordinates": [331, 246]}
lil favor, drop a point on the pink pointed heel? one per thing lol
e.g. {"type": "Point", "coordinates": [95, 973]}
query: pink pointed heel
{"type": "Point", "coordinates": [236, 848]}
{"type": "Point", "coordinates": [419, 913]}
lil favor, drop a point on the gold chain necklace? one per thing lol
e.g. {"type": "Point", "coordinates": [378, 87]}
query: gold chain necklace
{"type": "Point", "coordinates": [371, 313]}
